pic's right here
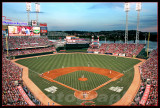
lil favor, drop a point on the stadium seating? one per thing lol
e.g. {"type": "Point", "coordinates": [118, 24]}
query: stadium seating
{"type": "Point", "coordinates": [128, 49]}
{"type": "Point", "coordinates": [30, 95]}
{"type": "Point", "coordinates": [149, 71]}
{"type": "Point", "coordinates": [23, 42]}
{"type": "Point", "coordinates": [30, 51]}
{"type": "Point", "coordinates": [10, 74]}
{"type": "Point", "coordinates": [93, 50]}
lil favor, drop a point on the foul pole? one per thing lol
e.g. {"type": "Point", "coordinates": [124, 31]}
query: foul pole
{"type": "Point", "coordinates": [7, 45]}
{"type": "Point", "coordinates": [148, 43]}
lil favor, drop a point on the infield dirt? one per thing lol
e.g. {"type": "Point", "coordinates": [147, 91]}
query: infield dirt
{"type": "Point", "coordinates": [125, 100]}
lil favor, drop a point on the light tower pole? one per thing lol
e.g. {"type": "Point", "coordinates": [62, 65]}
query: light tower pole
{"type": "Point", "coordinates": [28, 9]}
{"type": "Point", "coordinates": [92, 41]}
{"type": "Point", "coordinates": [138, 8]}
{"type": "Point", "coordinates": [37, 10]}
{"type": "Point", "coordinates": [98, 41]}
{"type": "Point", "coordinates": [126, 7]}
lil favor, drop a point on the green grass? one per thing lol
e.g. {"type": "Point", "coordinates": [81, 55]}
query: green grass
{"type": "Point", "coordinates": [64, 95]}
{"type": "Point", "coordinates": [71, 79]}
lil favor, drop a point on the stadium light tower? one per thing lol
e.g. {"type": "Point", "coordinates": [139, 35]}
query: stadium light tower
{"type": "Point", "coordinates": [37, 10]}
{"type": "Point", "coordinates": [138, 8]}
{"type": "Point", "coordinates": [28, 8]}
{"type": "Point", "coordinates": [126, 8]}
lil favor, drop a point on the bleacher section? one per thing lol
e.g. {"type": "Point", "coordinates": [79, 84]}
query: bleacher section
{"type": "Point", "coordinates": [28, 45]}
{"type": "Point", "coordinates": [23, 42]}
{"type": "Point", "coordinates": [118, 48]}
{"type": "Point", "coordinates": [12, 94]}
{"type": "Point", "coordinates": [149, 72]}
{"type": "Point", "coordinates": [30, 51]}
{"type": "Point", "coordinates": [11, 76]}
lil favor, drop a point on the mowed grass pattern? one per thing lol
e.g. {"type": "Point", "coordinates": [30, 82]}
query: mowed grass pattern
{"type": "Point", "coordinates": [105, 96]}
{"type": "Point", "coordinates": [71, 79]}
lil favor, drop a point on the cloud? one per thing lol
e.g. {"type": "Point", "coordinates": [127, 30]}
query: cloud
{"type": "Point", "coordinates": [35, 12]}
{"type": "Point", "coordinates": [107, 5]}
{"type": "Point", "coordinates": [150, 29]}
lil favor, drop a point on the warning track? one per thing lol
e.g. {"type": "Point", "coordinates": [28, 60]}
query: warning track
{"type": "Point", "coordinates": [125, 100]}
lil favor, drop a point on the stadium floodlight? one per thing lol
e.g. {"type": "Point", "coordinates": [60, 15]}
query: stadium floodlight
{"type": "Point", "coordinates": [37, 9]}
{"type": "Point", "coordinates": [28, 8]}
{"type": "Point", "coordinates": [126, 8]}
{"type": "Point", "coordinates": [138, 8]}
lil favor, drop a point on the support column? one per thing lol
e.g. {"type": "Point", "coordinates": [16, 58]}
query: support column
{"type": "Point", "coordinates": [126, 32]}
{"type": "Point", "coordinates": [98, 41]}
{"type": "Point", "coordinates": [92, 41]}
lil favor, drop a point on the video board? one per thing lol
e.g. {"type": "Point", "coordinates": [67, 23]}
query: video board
{"type": "Point", "coordinates": [23, 31]}
{"type": "Point", "coordinates": [43, 29]}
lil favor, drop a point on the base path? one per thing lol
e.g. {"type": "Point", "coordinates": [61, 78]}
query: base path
{"type": "Point", "coordinates": [128, 97]}
{"type": "Point", "coordinates": [62, 71]}
{"type": "Point", "coordinates": [51, 75]}
{"type": "Point", "coordinates": [125, 100]}
{"type": "Point", "coordinates": [33, 88]}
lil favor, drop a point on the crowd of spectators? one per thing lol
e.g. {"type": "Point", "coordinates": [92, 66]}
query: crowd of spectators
{"type": "Point", "coordinates": [11, 76]}
{"type": "Point", "coordinates": [30, 95]}
{"type": "Point", "coordinates": [30, 51]}
{"type": "Point", "coordinates": [93, 50]}
{"type": "Point", "coordinates": [149, 71]}
{"type": "Point", "coordinates": [128, 49]}
{"type": "Point", "coordinates": [22, 42]}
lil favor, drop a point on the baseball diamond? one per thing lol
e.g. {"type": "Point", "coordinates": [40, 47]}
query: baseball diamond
{"type": "Point", "coordinates": [47, 71]}
{"type": "Point", "coordinates": [81, 54]}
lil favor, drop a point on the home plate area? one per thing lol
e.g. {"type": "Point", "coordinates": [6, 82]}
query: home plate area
{"type": "Point", "coordinates": [83, 80]}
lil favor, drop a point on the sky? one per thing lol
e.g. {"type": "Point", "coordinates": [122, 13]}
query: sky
{"type": "Point", "coordinates": [85, 16]}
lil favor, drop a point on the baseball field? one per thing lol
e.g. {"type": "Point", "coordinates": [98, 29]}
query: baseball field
{"type": "Point", "coordinates": [76, 79]}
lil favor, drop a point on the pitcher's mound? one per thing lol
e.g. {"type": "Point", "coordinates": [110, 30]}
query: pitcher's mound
{"type": "Point", "coordinates": [85, 95]}
{"type": "Point", "coordinates": [83, 79]}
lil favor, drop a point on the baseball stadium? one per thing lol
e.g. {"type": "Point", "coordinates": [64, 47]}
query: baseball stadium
{"type": "Point", "coordinates": [74, 71]}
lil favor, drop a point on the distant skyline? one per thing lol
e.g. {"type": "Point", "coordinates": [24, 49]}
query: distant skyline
{"type": "Point", "coordinates": [85, 16]}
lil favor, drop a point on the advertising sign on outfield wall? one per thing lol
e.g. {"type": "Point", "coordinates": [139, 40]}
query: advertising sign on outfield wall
{"type": "Point", "coordinates": [121, 54]}
{"type": "Point", "coordinates": [115, 54]}
{"type": "Point", "coordinates": [96, 52]}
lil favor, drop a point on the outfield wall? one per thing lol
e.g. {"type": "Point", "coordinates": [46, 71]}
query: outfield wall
{"type": "Point", "coordinates": [29, 55]}
{"type": "Point", "coordinates": [121, 101]}
{"type": "Point", "coordinates": [76, 46]}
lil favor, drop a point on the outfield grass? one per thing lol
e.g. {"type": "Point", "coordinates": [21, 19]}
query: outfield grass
{"type": "Point", "coordinates": [64, 95]}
